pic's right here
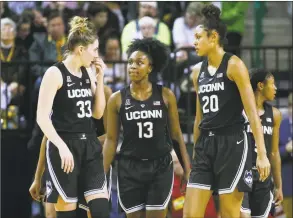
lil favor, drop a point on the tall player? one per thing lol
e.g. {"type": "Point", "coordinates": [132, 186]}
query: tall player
{"type": "Point", "coordinates": [258, 203]}
{"type": "Point", "coordinates": [220, 160]}
{"type": "Point", "coordinates": [145, 169]}
{"type": "Point", "coordinates": [35, 189]}
{"type": "Point", "coordinates": [67, 101]}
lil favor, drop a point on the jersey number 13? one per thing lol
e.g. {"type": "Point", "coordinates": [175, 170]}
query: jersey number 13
{"type": "Point", "coordinates": [145, 130]}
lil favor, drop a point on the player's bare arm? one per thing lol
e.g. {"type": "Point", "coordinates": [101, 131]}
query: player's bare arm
{"type": "Point", "coordinates": [238, 73]}
{"type": "Point", "coordinates": [198, 117]}
{"type": "Point", "coordinates": [113, 126]}
{"type": "Point", "coordinates": [52, 81]}
{"type": "Point", "coordinates": [275, 158]}
{"type": "Point", "coordinates": [36, 185]}
{"type": "Point", "coordinates": [175, 130]}
{"type": "Point", "coordinates": [98, 90]}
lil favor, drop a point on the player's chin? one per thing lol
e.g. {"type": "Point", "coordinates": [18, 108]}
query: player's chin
{"type": "Point", "coordinates": [199, 53]}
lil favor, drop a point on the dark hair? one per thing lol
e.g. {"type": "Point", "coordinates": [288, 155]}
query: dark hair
{"type": "Point", "coordinates": [212, 21]}
{"type": "Point", "coordinates": [95, 8]}
{"type": "Point", "coordinates": [258, 75]}
{"type": "Point", "coordinates": [111, 35]}
{"type": "Point", "coordinates": [157, 52]}
{"type": "Point", "coordinates": [54, 14]}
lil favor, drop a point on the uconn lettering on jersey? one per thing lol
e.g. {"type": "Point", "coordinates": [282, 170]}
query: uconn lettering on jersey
{"type": "Point", "coordinates": [267, 130]}
{"type": "Point", "coordinates": [211, 87]}
{"type": "Point", "coordinates": [136, 115]}
{"type": "Point", "coordinates": [77, 93]}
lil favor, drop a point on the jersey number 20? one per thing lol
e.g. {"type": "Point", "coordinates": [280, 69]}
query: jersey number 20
{"type": "Point", "coordinates": [211, 104]}
{"type": "Point", "coordinates": [145, 130]}
{"type": "Point", "coordinates": [85, 109]}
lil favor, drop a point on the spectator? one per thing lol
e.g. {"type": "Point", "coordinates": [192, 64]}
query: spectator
{"type": "Point", "coordinates": [19, 7]}
{"type": "Point", "coordinates": [6, 12]}
{"type": "Point", "coordinates": [13, 76]}
{"type": "Point", "coordinates": [162, 32]}
{"type": "Point", "coordinates": [233, 14]}
{"type": "Point", "coordinates": [39, 24]}
{"type": "Point", "coordinates": [115, 8]}
{"type": "Point", "coordinates": [184, 27]}
{"type": "Point", "coordinates": [115, 74]}
{"type": "Point", "coordinates": [286, 132]}
{"type": "Point", "coordinates": [104, 20]}
{"type": "Point", "coordinates": [10, 52]}
{"type": "Point", "coordinates": [24, 36]}
{"type": "Point", "coordinates": [65, 9]}
{"type": "Point", "coordinates": [48, 47]}
{"type": "Point", "coordinates": [147, 26]}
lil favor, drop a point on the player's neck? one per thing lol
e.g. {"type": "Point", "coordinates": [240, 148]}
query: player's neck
{"type": "Point", "coordinates": [141, 86]}
{"type": "Point", "coordinates": [73, 64]}
{"type": "Point", "coordinates": [215, 57]}
{"type": "Point", "coordinates": [259, 101]}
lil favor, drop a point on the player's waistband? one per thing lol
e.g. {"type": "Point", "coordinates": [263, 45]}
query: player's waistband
{"type": "Point", "coordinates": [223, 130]}
{"type": "Point", "coordinates": [132, 157]}
{"type": "Point", "coordinates": [81, 136]}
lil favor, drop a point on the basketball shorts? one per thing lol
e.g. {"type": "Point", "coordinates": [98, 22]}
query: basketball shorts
{"type": "Point", "coordinates": [259, 202]}
{"type": "Point", "coordinates": [144, 184]}
{"type": "Point", "coordinates": [222, 161]}
{"type": "Point", "coordinates": [87, 176]}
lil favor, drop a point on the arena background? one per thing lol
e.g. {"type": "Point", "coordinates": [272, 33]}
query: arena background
{"type": "Point", "coordinates": [259, 32]}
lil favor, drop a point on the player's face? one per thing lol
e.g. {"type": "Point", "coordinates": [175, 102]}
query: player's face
{"type": "Point", "coordinates": [138, 66]}
{"type": "Point", "coordinates": [202, 41]}
{"type": "Point", "coordinates": [269, 89]}
{"type": "Point", "coordinates": [90, 53]}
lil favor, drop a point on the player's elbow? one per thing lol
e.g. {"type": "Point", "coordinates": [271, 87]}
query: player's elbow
{"type": "Point", "coordinates": [98, 114]}
{"type": "Point", "coordinates": [41, 118]}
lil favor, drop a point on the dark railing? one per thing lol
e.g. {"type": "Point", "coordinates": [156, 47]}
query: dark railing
{"type": "Point", "coordinates": [176, 76]}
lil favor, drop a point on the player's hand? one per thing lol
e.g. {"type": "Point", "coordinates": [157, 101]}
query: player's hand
{"type": "Point", "coordinates": [35, 190]}
{"type": "Point", "coordinates": [278, 196]}
{"type": "Point", "coordinates": [178, 170]}
{"type": "Point", "coordinates": [263, 166]}
{"type": "Point", "coordinates": [100, 67]}
{"type": "Point", "coordinates": [67, 162]}
{"type": "Point", "coordinates": [184, 180]}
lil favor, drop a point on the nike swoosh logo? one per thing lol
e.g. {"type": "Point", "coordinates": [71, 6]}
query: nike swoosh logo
{"type": "Point", "coordinates": [126, 108]}
{"type": "Point", "coordinates": [239, 142]}
{"type": "Point", "coordinates": [70, 84]}
{"type": "Point", "coordinates": [200, 80]}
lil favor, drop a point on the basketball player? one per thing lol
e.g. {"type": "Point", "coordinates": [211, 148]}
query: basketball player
{"type": "Point", "coordinates": [145, 169]}
{"type": "Point", "coordinates": [69, 96]}
{"type": "Point", "coordinates": [35, 189]}
{"type": "Point", "coordinates": [259, 202]}
{"type": "Point", "coordinates": [220, 160]}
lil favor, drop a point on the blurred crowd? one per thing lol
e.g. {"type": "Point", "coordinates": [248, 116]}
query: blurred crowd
{"type": "Point", "coordinates": [36, 32]}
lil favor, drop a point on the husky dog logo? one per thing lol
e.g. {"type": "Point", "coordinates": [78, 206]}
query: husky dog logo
{"type": "Point", "coordinates": [248, 178]}
{"type": "Point", "coordinates": [49, 188]}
